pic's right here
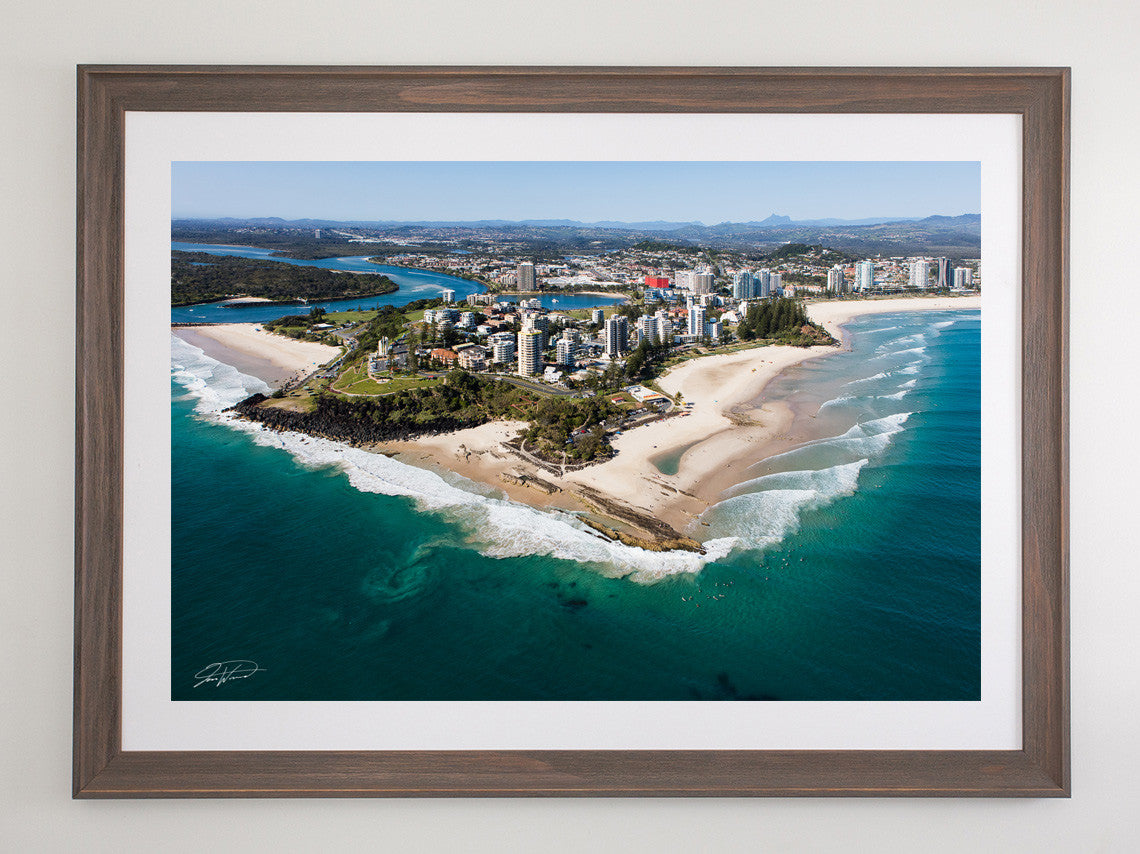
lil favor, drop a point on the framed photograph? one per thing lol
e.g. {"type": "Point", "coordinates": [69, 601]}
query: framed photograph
{"type": "Point", "coordinates": [571, 432]}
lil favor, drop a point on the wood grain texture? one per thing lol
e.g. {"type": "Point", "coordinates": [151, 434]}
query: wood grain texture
{"type": "Point", "coordinates": [102, 769]}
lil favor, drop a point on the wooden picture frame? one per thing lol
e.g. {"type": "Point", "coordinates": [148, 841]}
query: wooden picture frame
{"type": "Point", "coordinates": [102, 769]}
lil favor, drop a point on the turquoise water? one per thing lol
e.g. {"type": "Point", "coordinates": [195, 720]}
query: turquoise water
{"type": "Point", "coordinates": [414, 285]}
{"type": "Point", "coordinates": [846, 569]}
{"type": "Point", "coordinates": [670, 463]}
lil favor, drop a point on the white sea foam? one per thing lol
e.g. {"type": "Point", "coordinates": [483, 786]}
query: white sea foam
{"type": "Point", "coordinates": [216, 385]}
{"type": "Point", "coordinates": [898, 395]}
{"type": "Point", "coordinates": [865, 439]}
{"type": "Point", "coordinates": [836, 401]}
{"type": "Point", "coordinates": [495, 527]}
{"type": "Point", "coordinates": [772, 505]}
{"type": "Point", "coordinates": [908, 384]}
{"type": "Point", "coordinates": [895, 353]}
{"type": "Point", "coordinates": [916, 338]}
{"type": "Point", "coordinates": [878, 376]}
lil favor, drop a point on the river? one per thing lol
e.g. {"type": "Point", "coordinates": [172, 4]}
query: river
{"type": "Point", "coordinates": [414, 285]}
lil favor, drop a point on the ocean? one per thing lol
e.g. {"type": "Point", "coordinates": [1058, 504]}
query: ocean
{"type": "Point", "coordinates": [846, 568]}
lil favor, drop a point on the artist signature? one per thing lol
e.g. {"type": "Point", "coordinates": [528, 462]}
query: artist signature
{"type": "Point", "coordinates": [221, 672]}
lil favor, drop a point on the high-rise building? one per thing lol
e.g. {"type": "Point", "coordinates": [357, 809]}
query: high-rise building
{"type": "Point", "coordinates": [502, 347]}
{"type": "Point", "coordinates": [695, 281]}
{"type": "Point", "coordinates": [597, 317]}
{"type": "Point", "coordinates": [530, 353]}
{"type": "Point", "coordinates": [647, 329]}
{"type": "Point", "coordinates": [945, 272]}
{"type": "Point", "coordinates": [503, 352]}
{"type": "Point", "coordinates": [702, 282]}
{"type": "Point", "coordinates": [919, 273]}
{"type": "Point", "coordinates": [696, 320]}
{"type": "Point", "coordinates": [537, 323]}
{"type": "Point", "coordinates": [744, 285]}
{"type": "Point", "coordinates": [714, 329]}
{"type": "Point", "coordinates": [865, 275]}
{"type": "Point", "coordinates": [963, 277]}
{"type": "Point", "coordinates": [566, 350]}
{"type": "Point", "coordinates": [448, 296]}
{"type": "Point", "coordinates": [776, 284]}
{"type": "Point", "coordinates": [764, 283]}
{"type": "Point", "coordinates": [617, 336]}
{"type": "Point", "coordinates": [836, 283]}
{"type": "Point", "coordinates": [526, 282]}
{"type": "Point", "coordinates": [664, 327]}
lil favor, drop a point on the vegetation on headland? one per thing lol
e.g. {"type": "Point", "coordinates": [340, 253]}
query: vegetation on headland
{"type": "Point", "coordinates": [570, 427]}
{"type": "Point", "coordinates": [781, 321]}
{"type": "Point", "coordinates": [462, 400]}
{"type": "Point", "coordinates": [562, 429]}
{"type": "Point", "coordinates": [197, 277]}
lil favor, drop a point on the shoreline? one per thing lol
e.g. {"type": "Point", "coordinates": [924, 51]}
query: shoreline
{"type": "Point", "coordinates": [833, 314]}
{"type": "Point", "coordinates": [730, 428]}
{"type": "Point", "coordinates": [275, 359]}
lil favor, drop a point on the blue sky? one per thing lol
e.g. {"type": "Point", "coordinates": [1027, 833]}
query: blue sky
{"type": "Point", "coordinates": [627, 191]}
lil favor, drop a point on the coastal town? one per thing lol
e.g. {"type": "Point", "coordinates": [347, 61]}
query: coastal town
{"type": "Point", "coordinates": [668, 305]}
{"type": "Point", "coordinates": [579, 430]}
{"type": "Point", "coordinates": [568, 407]}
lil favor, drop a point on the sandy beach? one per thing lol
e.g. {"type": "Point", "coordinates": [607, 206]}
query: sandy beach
{"type": "Point", "coordinates": [253, 351]}
{"type": "Point", "coordinates": [722, 428]}
{"type": "Point", "coordinates": [831, 315]}
{"type": "Point", "coordinates": [729, 427]}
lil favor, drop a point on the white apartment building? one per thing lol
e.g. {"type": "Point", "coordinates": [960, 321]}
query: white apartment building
{"type": "Point", "coordinates": [530, 353]}
{"type": "Point", "coordinates": [919, 273]}
{"type": "Point", "coordinates": [566, 351]}
{"type": "Point", "coordinates": [696, 320]}
{"type": "Point", "coordinates": [617, 336]}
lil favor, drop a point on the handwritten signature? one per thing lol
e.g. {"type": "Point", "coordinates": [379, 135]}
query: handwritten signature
{"type": "Point", "coordinates": [221, 672]}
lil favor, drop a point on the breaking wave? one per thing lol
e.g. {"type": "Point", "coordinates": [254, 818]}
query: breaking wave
{"type": "Point", "coordinates": [215, 385]}
{"type": "Point", "coordinates": [762, 512]}
{"type": "Point", "coordinates": [494, 527]}
{"type": "Point", "coordinates": [866, 439]}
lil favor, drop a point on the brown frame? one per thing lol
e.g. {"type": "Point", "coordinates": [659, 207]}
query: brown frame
{"type": "Point", "coordinates": [102, 769]}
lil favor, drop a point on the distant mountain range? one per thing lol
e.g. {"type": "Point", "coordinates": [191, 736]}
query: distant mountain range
{"type": "Point", "coordinates": [772, 221]}
{"type": "Point", "coordinates": [954, 236]}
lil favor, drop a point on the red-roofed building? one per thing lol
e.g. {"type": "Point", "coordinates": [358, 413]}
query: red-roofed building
{"type": "Point", "coordinates": [448, 357]}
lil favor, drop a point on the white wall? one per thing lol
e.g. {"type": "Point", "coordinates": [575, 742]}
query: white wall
{"type": "Point", "coordinates": [40, 43]}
